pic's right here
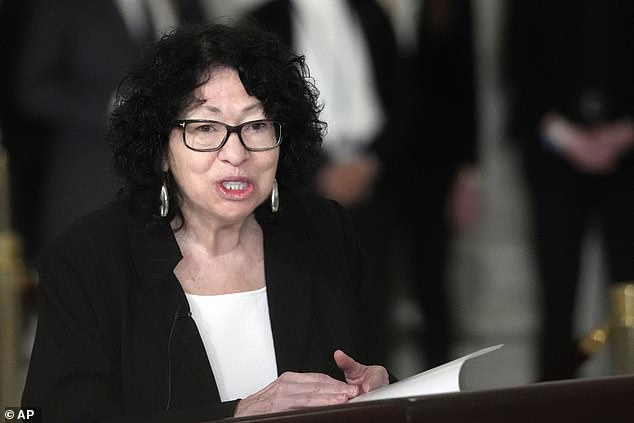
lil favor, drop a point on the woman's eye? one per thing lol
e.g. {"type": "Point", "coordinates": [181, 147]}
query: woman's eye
{"type": "Point", "coordinates": [206, 127]}
{"type": "Point", "coordinates": [257, 126]}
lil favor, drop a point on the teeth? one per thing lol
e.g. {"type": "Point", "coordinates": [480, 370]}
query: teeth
{"type": "Point", "coordinates": [234, 186]}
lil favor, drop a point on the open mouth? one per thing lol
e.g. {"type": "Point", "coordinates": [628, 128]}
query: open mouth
{"type": "Point", "coordinates": [235, 189]}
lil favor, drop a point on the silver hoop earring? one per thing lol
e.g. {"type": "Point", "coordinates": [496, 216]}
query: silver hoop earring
{"type": "Point", "coordinates": [164, 207]}
{"type": "Point", "coordinates": [275, 198]}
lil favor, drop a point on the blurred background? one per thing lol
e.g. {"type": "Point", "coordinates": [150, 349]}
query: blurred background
{"type": "Point", "coordinates": [448, 213]}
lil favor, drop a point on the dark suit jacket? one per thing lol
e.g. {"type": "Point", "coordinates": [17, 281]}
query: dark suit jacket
{"type": "Point", "coordinates": [439, 92]}
{"type": "Point", "coordinates": [72, 57]}
{"type": "Point", "coordinates": [114, 334]}
{"type": "Point", "coordinates": [558, 55]}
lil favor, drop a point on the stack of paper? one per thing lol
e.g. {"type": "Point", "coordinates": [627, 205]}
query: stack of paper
{"type": "Point", "coordinates": [441, 379]}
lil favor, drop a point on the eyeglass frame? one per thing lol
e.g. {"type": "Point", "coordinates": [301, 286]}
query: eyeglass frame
{"type": "Point", "coordinates": [231, 129]}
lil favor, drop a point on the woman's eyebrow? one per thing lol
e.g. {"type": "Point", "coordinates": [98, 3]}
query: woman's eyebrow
{"type": "Point", "coordinates": [254, 106]}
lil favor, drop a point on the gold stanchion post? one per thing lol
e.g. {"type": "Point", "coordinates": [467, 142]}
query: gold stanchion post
{"type": "Point", "coordinates": [622, 332]}
{"type": "Point", "coordinates": [12, 274]}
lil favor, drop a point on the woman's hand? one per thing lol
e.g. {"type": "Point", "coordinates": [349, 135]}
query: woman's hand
{"type": "Point", "coordinates": [367, 378]}
{"type": "Point", "coordinates": [297, 390]}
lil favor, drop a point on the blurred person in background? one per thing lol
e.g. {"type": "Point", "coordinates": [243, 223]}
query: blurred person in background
{"type": "Point", "coordinates": [570, 74]}
{"type": "Point", "coordinates": [352, 49]}
{"type": "Point", "coordinates": [22, 135]}
{"type": "Point", "coordinates": [439, 183]}
{"type": "Point", "coordinates": [69, 58]}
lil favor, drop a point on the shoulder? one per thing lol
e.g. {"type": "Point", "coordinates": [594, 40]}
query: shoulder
{"type": "Point", "coordinates": [87, 273]}
{"type": "Point", "coordinates": [90, 249]}
{"type": "Point", "coordinates": [327, 225]}
{"type": "Point", "coordinates": [101, 227]}
{"type": "Point", "coordinates": [309, 220]}
{"type": "Point", "coordinates": [312, 210]}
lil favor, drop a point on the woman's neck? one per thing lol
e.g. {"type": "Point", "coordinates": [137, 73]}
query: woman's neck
{"type": "Point", "coordinates": [216, 238]}
{"type": "Point", "coordinates": [220, 259]}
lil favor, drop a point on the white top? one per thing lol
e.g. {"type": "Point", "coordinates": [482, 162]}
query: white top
{"type": "Point", "coordinates": [236, 332]}
{"type": "Point", "coordinates": [339, 59]}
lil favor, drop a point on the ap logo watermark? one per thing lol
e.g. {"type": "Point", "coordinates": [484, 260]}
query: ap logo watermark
{"type": "Point", "coordinates": [22, 414]}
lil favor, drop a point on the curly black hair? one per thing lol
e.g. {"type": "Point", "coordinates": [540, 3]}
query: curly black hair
{"type": "Point", "coordinates": [162, 84]}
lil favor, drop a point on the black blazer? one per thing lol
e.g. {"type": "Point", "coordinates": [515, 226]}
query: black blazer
{"type": "Point", "coordinates": [114, 334]}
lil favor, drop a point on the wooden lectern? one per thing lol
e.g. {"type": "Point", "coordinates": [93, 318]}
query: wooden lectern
{"type": "Point", "coordinates": [602, 400]}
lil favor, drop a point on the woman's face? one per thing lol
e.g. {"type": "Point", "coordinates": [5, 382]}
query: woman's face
{"type": "Point", "coordinates": [223, 186]}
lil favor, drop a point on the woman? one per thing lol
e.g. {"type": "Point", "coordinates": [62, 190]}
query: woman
{"type": "Point", "coordinates": [214, 271]}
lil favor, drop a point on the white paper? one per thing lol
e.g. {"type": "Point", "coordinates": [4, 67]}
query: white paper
{"type": "Point", "coordinates": [441, 379]}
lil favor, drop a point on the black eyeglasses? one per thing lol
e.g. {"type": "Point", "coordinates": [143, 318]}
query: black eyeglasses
{"type": "Point", "coordinates": [210, 135]}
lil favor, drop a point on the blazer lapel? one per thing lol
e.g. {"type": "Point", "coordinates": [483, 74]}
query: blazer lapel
{"type": "Point", "coordinates": [288, 281]}
{"type": "Point", "coordinates": [163, 310]}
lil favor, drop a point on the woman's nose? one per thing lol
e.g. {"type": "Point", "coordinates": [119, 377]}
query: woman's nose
{"type": "Point", "coordinates": [233, 151]}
